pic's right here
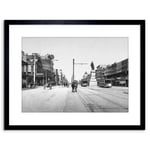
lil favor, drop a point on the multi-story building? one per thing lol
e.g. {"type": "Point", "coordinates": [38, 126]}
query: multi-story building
{"type": "Point", "coordinates": [99, 74]}
{"type": "Point", "coordinates": [24, 70]}
{"type": "Point", "coordinates": [36, 70]}
{"type": "Point", "coordinates": [117, 72]}
{"type": "Point", "coordinates": [47, 68]}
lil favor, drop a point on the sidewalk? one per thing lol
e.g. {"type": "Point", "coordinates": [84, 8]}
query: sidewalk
{"type": "Point", "coordinates": [30, 88]}
{"type": "Point", "coordinates": [42, 87]}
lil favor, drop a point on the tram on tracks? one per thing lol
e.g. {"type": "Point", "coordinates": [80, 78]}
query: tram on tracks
{"type": "Point", "coordinates": [107, 83]}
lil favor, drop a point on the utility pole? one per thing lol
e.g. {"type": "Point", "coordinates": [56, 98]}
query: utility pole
{"type": "Point", "coordinates": [73, 70]}
{"type": "Point", "coordinates": [34, 69]}
{"type": "Point", "coordinates": [73, 76]}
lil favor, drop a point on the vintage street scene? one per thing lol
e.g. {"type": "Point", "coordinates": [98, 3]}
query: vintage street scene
{"type": "Point", "coordinates": [75, 74]}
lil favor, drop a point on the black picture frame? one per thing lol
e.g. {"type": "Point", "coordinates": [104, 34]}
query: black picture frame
{"type": "Point", "coordinates": [8, 23]}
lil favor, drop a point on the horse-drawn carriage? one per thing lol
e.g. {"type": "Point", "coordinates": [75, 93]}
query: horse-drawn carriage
{"type": "Point", "coordinates": [74, 85]}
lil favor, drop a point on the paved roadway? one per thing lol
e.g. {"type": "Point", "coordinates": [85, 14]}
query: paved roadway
{"type": "Point", "coordinates": [87, 99]}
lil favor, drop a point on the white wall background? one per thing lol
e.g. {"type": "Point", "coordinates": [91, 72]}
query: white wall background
{"type": "Point", "coordinates": [77, 9]}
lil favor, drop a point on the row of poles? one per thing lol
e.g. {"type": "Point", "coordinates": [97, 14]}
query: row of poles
{"type": "Point", "coordinates": [73, 76]}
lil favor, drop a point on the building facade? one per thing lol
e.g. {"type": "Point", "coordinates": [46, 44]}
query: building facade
{"type": "Point", "coordinates": [48, 69]}
{"type": "Point", "coordinates": [36, 69]}
{"type": "Point", "coordinates": [116, 72]}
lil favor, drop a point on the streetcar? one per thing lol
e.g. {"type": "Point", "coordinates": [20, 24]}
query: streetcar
{"type": "Point", "coordinates": [106, 83]}
{"type": "Point", "coordinates": [84, 83]}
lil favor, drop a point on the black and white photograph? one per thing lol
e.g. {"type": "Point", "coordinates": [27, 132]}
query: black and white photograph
{"type": "Point", "coordinates": [75, 74]}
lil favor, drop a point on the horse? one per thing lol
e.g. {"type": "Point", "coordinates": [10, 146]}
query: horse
{"type": "Point", "coordinates": [74, 86]}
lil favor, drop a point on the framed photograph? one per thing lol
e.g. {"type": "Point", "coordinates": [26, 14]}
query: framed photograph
{"type": "Point", "coordinates": [74, 74]}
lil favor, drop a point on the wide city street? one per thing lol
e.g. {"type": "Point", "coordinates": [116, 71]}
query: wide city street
{"type": "Point", "coordinates": [86, 99]}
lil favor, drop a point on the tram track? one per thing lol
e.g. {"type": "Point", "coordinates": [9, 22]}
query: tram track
{"type": "Point", "coordinates": [109, 93]}
{"type": "Point", "coordinates": [94, 106]}
{"type": "Point", "coordinates": [101, 96]}
{"type": "Point", "coordinates": [90, 104]}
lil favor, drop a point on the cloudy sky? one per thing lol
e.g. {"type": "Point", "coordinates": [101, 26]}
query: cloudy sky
{"type": "Point", "coordinates": [83, 49]}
